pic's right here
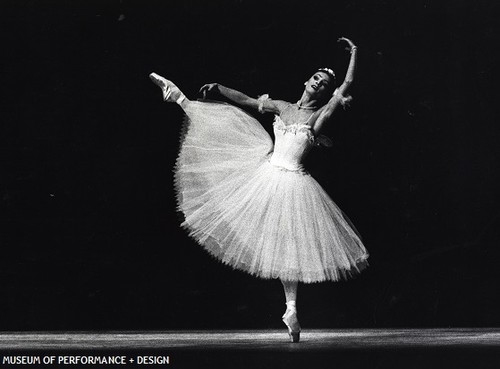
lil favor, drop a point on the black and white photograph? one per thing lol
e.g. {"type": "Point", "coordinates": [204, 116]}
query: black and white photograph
{"type": "Point", "coordinates": [250, 183]}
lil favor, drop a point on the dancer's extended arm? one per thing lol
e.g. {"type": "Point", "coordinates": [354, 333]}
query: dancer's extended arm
{"type": "Point", "coordinates": [349, 77]}
{"type": "Point", "coordinates": [272, 106]}
{"type": "Point", "coordinates": [339, 97]}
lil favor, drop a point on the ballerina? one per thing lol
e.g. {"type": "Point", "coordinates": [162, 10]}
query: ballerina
{"type": "Point", "coordinates": [248, 201]}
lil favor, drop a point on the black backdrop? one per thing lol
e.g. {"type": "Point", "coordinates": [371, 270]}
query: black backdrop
{"type": "Point", "coordinates": [89, 235]}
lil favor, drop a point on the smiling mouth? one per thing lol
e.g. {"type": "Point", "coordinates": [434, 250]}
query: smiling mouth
{"type": "Point", "coordinates": [315, 88]}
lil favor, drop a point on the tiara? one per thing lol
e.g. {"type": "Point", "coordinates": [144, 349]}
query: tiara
{"type": "Point", "coordinates": [328, 71]}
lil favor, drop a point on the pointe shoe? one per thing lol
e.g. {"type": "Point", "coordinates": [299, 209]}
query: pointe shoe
{"type": "Point", "coordinates": [171, 92]}
{"type": "Point", "coordinates": [292, 323]}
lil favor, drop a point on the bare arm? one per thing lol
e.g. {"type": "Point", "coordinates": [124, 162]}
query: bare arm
{"type": "Point", "coordinates": [349, 77]}
{"type": "Point", "coordinates": [272, 106]}
{"type": "Point", "coordinates": [338, 98]}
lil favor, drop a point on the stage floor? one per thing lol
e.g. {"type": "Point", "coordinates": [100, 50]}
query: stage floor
{"type": "Point", "coordinates": [350, 348]}
{"type": "Point", "coordinates": [274, 340]}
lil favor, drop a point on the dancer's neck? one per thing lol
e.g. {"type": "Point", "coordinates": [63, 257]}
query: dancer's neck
{"type": "Point", "coordinates": [306, 102]}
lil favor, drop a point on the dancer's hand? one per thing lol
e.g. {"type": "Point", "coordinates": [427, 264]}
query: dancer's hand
{"type": "Point", "coordinates": [209, 87]}
{"type": "Point", "coordinates": [349, 42]}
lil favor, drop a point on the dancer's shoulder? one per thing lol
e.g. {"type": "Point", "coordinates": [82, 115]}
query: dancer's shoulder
{"type": "Point", "coordinates": [268, 105]}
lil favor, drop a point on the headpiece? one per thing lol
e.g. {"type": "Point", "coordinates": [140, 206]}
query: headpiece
{"type": "Point", "coordinates": [328, 71]}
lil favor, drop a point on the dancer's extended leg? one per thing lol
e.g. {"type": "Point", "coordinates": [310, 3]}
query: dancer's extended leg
{"type": "Point", "coordinates": [171, 92]}
{"type": "Point", "coordinates": [290, 316]}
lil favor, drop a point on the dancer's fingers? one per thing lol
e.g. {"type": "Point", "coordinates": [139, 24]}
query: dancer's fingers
{"type": "Point", "coordinates": [203, 91]}
{"type": "Point", "coordinates": [206, 88]}
{"type": "Point", "coordinates": [346, 40]}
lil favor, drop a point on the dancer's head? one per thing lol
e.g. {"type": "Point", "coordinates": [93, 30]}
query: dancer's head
{"type": "Point", "coordinates": [321, 84]}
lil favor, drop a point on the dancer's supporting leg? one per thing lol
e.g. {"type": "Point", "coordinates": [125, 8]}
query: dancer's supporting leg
{"type": "Point", "coordinates": [290, 316]}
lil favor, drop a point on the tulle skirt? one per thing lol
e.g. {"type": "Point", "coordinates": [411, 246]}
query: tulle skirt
{"type": "Point", "coordinates": [251, 215]}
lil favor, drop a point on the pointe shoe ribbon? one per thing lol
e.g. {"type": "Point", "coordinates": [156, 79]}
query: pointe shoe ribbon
{"type": "Point", "coordinates": [291, 321]}
{"type": "Point", "coordinates": [169, 89]}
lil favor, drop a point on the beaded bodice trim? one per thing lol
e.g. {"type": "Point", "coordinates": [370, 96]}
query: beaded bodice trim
{"type": "Point", "coordinates": [294, 128]}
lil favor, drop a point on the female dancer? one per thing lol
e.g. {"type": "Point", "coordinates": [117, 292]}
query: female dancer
{"type": "Point", "coordinates": [249, 202]}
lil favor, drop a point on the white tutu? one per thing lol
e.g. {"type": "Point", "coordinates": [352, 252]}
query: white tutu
{"type": "Point", "coordinates": [257, 211]}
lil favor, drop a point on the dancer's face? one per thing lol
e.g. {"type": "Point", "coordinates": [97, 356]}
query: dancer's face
{"type": "Point", "coordinates": [319, 85]}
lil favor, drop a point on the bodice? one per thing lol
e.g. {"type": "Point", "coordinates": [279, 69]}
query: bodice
{"type": "Point", "coordinates": [292, 143]}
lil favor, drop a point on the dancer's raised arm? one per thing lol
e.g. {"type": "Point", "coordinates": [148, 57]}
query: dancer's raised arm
{"type": "Point", "coordinates": [349, 77]}
{"type": "Point", "coordinates": [339, 96]}
{"type": "Point", "coordinates": [271, 106]}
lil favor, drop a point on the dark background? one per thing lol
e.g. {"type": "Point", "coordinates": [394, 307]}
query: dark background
{"type": "Point", "coordinates": [89, 235]}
